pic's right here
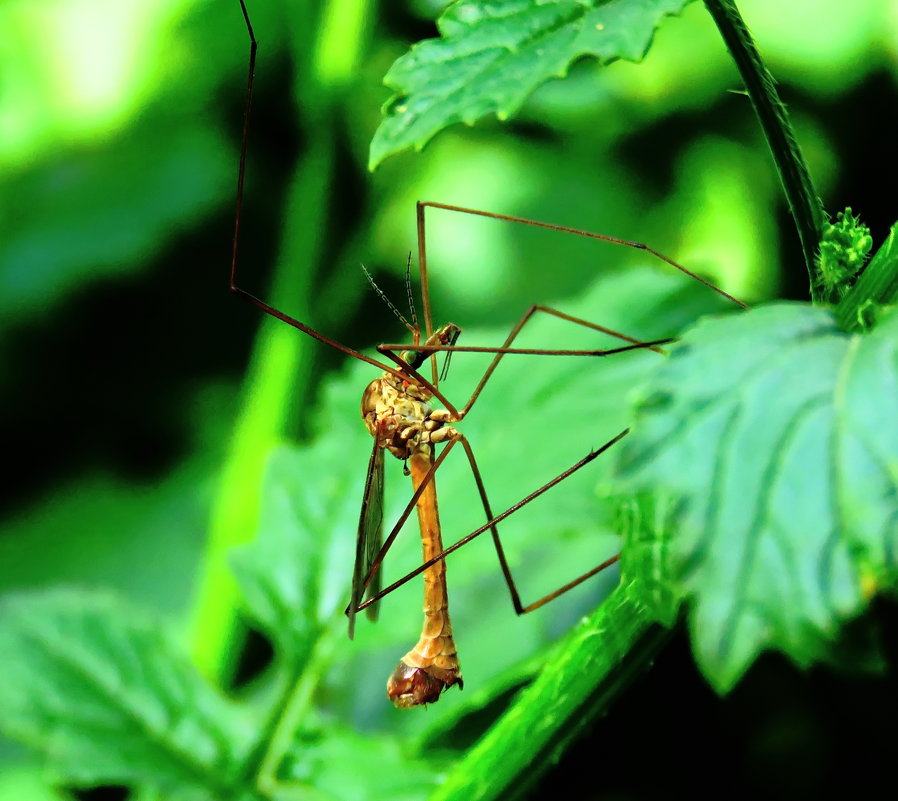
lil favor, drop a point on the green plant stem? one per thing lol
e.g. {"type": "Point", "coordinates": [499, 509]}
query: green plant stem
{"type": "Point", "coordinates": [878, 285]}
{"type": "Point", "coordinates": [592, 666]}
{"type": "Point", "coordinates": [280, 364]}
{"type": "Point", "coordinates": [276, 385]}
{"type": "Point", "coordinates": [804, 204]}
{"type": "Point", "coordinates": [290, 708]}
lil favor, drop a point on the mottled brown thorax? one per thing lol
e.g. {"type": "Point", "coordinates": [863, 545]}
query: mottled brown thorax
{"type": "Point", "coordinates": [397, 415]}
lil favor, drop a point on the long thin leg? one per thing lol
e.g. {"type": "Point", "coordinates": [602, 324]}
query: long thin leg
{"type": "Point", "coordinates": [519, 608]}
{"type": "Point", "coordinates": [506, 349]}
{"type": "Point", "coordinates": [525, 318]}
{"type": "Point", "coordinates": [491, 525]}
{"type": "Point", "coordinates": [241, 173]}
{"type": "Point", "coordinates": [613, 240]}
{"type": "Point", "coordinates": [388, 349]}
{"type": "Point", "coordinates": [400, 522]}
{"type": "Point", "coordinates": [390, 352]}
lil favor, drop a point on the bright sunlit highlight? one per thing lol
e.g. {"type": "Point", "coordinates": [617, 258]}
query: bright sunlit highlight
{"type": "Point", "coordinates": [74, 68]}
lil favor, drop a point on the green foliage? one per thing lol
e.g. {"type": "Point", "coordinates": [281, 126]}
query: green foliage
{"type": "Point", "coordinates": [283, 573]}
{"type": "Point", "coordinates": [805, 205]}
{"type": "Point", "coordinates": [110, 698]}
{"type": "Point", "coordinates": [491, 57]}
{"type": "Point", "coordinates": [769, 428]}
{"type": "Point", "coordinates": [100, 192]}
{"type": "Point", "coordinates": [593, 665]}
{"type": "Point", "coordinates": [875, 289]}
{"type": "Point", "coordinates": [765, 476]}
{"type": "Point", "coordinates": [109, 662]}
{"type": "Point", "coordinates": [844, 248]}
{"type": "Point", "coordinates": [647, 524]}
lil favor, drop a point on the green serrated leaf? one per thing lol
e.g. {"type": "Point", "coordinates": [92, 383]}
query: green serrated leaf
{"type": "Point", "coordinates": [105, 695]}
{"type": "Point", "coordinates": [777, 431]}
{"type": "Point", "coordinates": [492, 56]}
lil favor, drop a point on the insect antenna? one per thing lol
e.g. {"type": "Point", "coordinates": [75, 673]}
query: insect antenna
{"type": "Point", "coordinates": [408, 291]}
{"type": "Point", "coordinates": [411, 305]}
{"type": "Point", "coordinates": [382, 295]}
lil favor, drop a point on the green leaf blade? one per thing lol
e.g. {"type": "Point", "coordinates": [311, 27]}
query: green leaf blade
{"type": "Point", "coordinates": [867, 397]}
{"type": "Point", "coordinates": [106, 696]}
{"type": "Point", "coordinates": [279, 572]}
{"type": "Point", "coordinates": [491, 57]}
{"type": "Point", "coordinates": [770, 427]}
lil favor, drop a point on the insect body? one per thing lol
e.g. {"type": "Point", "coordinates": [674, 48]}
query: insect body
{"type": "Point", "coordinates": [397, 411]}
{"type": "Point", "coordinates": [398, 415]}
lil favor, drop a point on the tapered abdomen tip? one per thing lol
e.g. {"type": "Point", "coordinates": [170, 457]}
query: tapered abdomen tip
{"type": "Point", "coordinates": [415, 686]}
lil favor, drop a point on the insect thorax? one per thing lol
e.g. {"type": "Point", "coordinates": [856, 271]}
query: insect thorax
{"type": "Point", "coordinates": [397, 415]}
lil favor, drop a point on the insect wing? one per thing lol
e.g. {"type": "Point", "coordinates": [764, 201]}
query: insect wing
{"type": "Point", "coordinates": [370, 538]}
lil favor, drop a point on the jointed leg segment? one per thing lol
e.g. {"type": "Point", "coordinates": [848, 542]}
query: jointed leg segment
{"type": "Point", "coordinates": [490, 525]}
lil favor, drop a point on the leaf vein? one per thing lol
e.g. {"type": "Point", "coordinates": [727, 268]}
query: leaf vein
{"type": "Point", "coordinates": [766, 486]}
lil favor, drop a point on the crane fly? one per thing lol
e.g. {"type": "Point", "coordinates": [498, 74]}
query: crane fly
{"type": "Point", "coordinates": [397, 411]}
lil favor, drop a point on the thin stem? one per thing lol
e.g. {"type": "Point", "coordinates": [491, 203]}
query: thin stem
{"type": "Point", "coordinates": [591, 667]}
{"type": "Point", "coordinates": [277, 378]}
{"type": "Point", "coordinates": [291, 708]}
{"type": "Point", "coordinates": [804, 203]}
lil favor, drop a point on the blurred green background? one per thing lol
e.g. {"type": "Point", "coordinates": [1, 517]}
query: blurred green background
{"type": "Point", "coordinates": [124, 357]}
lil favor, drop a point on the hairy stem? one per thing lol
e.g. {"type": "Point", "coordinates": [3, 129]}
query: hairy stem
{"type": "Point", "coordinates": [592, 666]}
{"type": "Point", "coordinates": [804, 204]}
